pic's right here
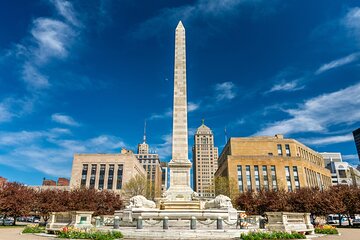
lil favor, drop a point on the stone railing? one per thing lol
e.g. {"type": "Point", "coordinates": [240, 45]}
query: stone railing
{"type": "Point", "coordinates": [289, 222]}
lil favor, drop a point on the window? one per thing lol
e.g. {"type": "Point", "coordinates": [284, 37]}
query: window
{"type": "Point", "coordinates": [342, 173]}
{"type": "Point", "coordinates": [110, 177]}
{"type": "Point", "coordinates": [296, 177]}
{"type": "Point", "coordinates": [266, 179]}
{"type": "Point", "coordinates": [287, 150]}
{"type": "Point", "coordinates": [101, 176]}
{"type": "Point", "coordinates": [84, 175]}
{"type": "Point", "coordinates": [288, 178]}
{"type": "Point", "coordinates": [273, 177]}
{"type": "Point", "coordinates": [248, 178]}
{"type": "Point", "coordinates": [240, 178]}
{"type": "Point", "coordinates": [279, 148]}
{"type": "Point", "coordinates": [92, 176]}
{"type": "Point", "coordinates": [257, 179]}
{"type": "Point", "coordinates": [119, 176]}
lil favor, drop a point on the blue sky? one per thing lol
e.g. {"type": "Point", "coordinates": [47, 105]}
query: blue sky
{"type": "Point", "coordinates": [82, 76]}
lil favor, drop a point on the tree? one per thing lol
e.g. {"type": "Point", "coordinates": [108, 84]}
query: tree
{"type": "Point", "coordinates": [226, 186]}
{"type": "Point", "coordinates": [47, 201]}
{"type": "Point", "coordinates": [107, 202]}
{"type": "Point", "coordinates": [137, 185]}
{"type": "Point", "coordinates": [16, 200]}
{"type": "Point", "coordinates": [262, 201]}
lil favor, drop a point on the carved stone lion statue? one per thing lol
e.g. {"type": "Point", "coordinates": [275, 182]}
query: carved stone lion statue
{"type": "Point", "coordinates": [220, 202]}
{"type": "Point", "coordinates": [140, 201]}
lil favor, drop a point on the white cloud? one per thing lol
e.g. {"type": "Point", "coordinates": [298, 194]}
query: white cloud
{"type": "Point", "coordinates": [33, 78]}
{"type": "Point", "coordinates": [166, 114]}
{"type": "Point", "coordinates": [52, 38]}
{"type": "Point", "coordinates": [286, 86]}
{"type": "Point", "coordinates": [66, 9]}
{"type": "Point", "coordinates": [328, 140]}
{"type": "Point", "coordinates": [164, 149]}
{"type": "Point", "coordinates": [352, 22]}
{"type": "Point", "coordinates": [49, 39]}
{"type": "Point", "coordinates": [319, 113]}
{"type": "Point", "coordinates": [338, 63]}
{"type": "Point", "coordinates": [5, 114]}
{"type": "Point", "coordinates": [225, 91]}
{"type": "Point", "coordinates": [193, 106]}
{"type": "Point", "coordinates": [201, 9]}
{"type": "Point", "coordinates": [64, 119]}
{"type": "Point", "coordinates": [12, 107]}
{"type": "Point", "coordinates": [50, 151]}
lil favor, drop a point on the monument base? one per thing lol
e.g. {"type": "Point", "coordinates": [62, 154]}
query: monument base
{"type": "Point", "coordinates": [180, 189]}
{"type": "Point", "coordinates": [131, 215]}
{"type": "Point", "coordinates": [180, 205]}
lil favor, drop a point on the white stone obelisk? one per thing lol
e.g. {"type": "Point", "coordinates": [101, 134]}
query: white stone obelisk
{"type": "Point", "coordinates": [180, 165]}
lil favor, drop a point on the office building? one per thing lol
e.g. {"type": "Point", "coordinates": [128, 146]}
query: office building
{"type": "Point", "coordinates": [256, 163]}
{"type": "Point", "coordinates": [205, 156]}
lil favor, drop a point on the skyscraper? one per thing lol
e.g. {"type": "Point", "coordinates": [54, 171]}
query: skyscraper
{"type": "Point", "coordinates": [205, 157]}
{"type": "Point", "coordinates": [151, 163]}
{"type": "Point", "coordinates": [356, 134]}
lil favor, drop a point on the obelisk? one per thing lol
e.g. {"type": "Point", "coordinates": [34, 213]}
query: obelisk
{"type": "Point", "coordinates": [180, 165]}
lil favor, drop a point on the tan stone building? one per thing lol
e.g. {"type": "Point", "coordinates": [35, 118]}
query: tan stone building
{"type": "Point", "coordinates": [205, 156]}
{"type": "Point", "coordinates": [104, 171]}
{"type": "Point", "coordinates": [256, 163]}
{"type": "Point", "coordinates": [151, 164]}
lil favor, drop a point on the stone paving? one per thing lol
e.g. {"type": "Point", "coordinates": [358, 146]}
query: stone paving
{"type": "Point", "coordinates": [14, 234]}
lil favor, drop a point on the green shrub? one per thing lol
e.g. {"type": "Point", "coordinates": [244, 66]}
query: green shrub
{"type": "Point", "coordinates": [326, 230]}
{"type": "Point", "coordinates": [33, 229]}
{"type": "Point", "coordinates": [74, 233]}
{"type": "Point", "coordinates": [271, 235]}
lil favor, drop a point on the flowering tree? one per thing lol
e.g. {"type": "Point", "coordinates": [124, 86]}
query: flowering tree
{"type": "Point", "coordinates": [16, 200]}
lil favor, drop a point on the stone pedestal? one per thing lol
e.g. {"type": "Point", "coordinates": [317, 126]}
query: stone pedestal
{"type": "Point", "coordinates": [78, 219]}
{"type": "Point", "coordinates": [289, 222]}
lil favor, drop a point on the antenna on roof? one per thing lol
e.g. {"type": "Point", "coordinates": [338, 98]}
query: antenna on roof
{"type": "Point", "coordinates": [144, 139]}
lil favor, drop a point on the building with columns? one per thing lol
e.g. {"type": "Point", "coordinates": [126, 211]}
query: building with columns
{"type": "Point", "coordinates": [255, 163]}
{"type": "Point", "coordinates": [105, 171]}
{"type": "Point", "coordinates": [205, 156]}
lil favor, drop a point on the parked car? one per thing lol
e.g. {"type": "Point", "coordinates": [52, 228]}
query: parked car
{"type": "Point", "coordinates": [356, 221]}
{"type": "Point", "coordinates": [6, 221]}
{"type": "Point", "coordinates": [332, 219]}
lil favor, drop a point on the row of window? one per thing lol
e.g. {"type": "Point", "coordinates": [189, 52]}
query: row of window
{"type": "Point", "coordinates": [149, 156]}
{"type": "Point", "coordinates": [257, 179]}
{"type": "Point", "coordinates": [101, 176]}
{"type": "Point", "coordinates": [309, 156]}
{"type": "Point", "coordinates": [287, 150]}
{"type": "Point", "coordinates": [288, 178]}
{"type": "Point", "coordinates": [265, 184]}
{"type": "Point", "coordinates": [315, 179]}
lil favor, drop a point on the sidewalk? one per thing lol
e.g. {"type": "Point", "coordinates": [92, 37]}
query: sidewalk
{"type": "Point", "coordinates": [346, 233]}
{"type": "Point", "coordinates": [12, 233]}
